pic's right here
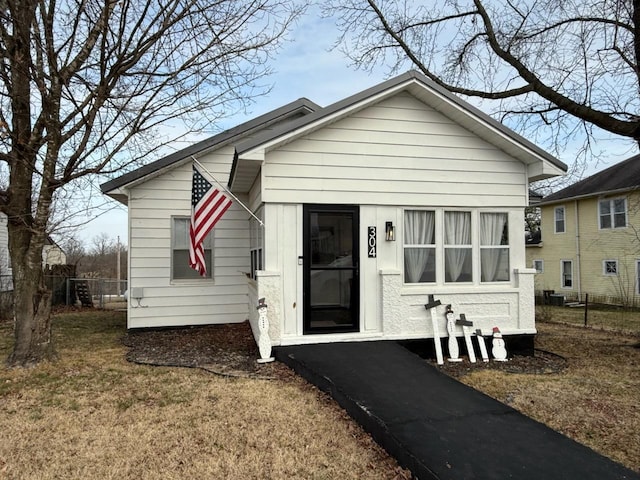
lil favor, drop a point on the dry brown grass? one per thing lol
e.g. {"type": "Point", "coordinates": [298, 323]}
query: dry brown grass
{"type": "Point", "coordinates": [595, 401]}
{"type": "Point", "coordinates": [93, 415]}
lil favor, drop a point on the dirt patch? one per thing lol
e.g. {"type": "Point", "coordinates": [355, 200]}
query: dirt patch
{"type": "Point", "coordinates": [228, 350]}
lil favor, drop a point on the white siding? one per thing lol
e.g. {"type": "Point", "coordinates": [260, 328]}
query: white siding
{"type": "Point", "coordinates": [165, 303]}
{"type": "Point", "coordinates": [5, 264]}
{"type": "Point", "coordinates": [398, 152]}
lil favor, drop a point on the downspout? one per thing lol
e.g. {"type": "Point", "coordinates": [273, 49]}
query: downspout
{"type": "Point", "coordinates": [579, 282]}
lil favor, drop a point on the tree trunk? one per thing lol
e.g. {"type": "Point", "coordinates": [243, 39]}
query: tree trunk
{"type": "Point", "coordinates": [32, 301]}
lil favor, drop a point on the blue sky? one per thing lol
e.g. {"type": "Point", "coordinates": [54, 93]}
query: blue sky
{"type": "Point", "coordinates": [309, 67]}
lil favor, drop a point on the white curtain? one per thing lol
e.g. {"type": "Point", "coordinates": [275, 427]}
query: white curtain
{"type": "Point", "coordinates": [457, 231]}
{"type": "Point", "coordinates": [418, 230]}
{"type": "Point", "coordinates": [491, 228]}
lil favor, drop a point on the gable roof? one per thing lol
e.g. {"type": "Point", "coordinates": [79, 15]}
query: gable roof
{"type": "Point", "coordinates": [251, 152]}
{"type": "Point", "coordinates": [302, 106]}
{"type": "Point", "coordinates": [622, 176]}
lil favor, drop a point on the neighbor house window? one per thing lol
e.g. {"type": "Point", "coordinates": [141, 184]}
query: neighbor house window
{"type": "Point", "coordinates": [457, 247]}
{"type": "Point", "coordinates": [419, 246]}
{"type": "Point", "coordinates": [610, 267]}
{"type": "Point", "coordinates": [256, 244]}
{"type": "Point", "coordinates": [539, 266]}
{"type": "Point", "coordinates": [567, 274]}
{"type": "Point", "coordinates": [559, 219]}
{"type": "Point", "coordinates": [494, 247]}
{"type": "Point", "coordinates": [613, 213]}
{"type": "Point", "coordinates": [180, 269]}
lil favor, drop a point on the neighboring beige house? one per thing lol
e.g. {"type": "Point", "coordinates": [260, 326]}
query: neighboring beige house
{"type": "Point", "coordinates": [369, 205]}
{"type": "Point", "coordinates": [590, 237]}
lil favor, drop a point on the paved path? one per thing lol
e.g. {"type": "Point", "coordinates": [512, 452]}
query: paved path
{"type": "Point", "coordinates": [436, 426]}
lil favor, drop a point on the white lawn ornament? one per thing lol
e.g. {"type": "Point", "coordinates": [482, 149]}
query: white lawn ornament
{"type": "Point", "coordinates": [454, 352]}
{"type": "Point", "coordinates": [264, 341]}
{"type": "Point", "coordinates": [432, 306]}
{"type": "Point", "coordinates": [466, 330]}
{"type": "Point", "coordinates": [482, 345]}
{"type": "Point", "coordinates": [498, 349]}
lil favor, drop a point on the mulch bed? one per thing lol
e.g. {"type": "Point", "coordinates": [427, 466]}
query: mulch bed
{"type": "Point", "coordinates": [231, 350]}
{"type": "Point", "coordinates": [228, 350]}
{"type": "Point", "coordinates": [540, 363]}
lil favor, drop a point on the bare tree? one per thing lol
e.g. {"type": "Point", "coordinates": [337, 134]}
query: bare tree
{"type": "Point", "coordinates": [85, 87]}
{"type": "Point", "coordinates": [570, 66]}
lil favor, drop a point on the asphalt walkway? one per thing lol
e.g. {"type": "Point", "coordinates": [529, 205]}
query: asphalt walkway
{"type": "Point", "coordinates": [437, 427]}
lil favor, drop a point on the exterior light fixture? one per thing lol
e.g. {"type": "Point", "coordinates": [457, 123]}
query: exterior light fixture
{"type": "Point", "coordinates": [390, 231]}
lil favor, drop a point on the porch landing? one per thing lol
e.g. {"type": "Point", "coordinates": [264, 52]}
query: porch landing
{"type": "Point", "coordinates": [437, 427]}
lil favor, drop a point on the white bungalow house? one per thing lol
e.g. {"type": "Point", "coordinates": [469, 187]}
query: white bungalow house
{"type": "Point", "coordinates": [369, 206]}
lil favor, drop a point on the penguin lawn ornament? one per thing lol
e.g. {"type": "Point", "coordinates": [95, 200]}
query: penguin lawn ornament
{"type": "Point", "coordinates": [498, 349]}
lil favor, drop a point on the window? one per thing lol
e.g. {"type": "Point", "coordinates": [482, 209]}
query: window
{"type": "Point", "coordinates": [256, 243]}
{"type": "Point", "coordinates": [419, 246]}
{"type": "Point", "coordinates": [494, 247]}
{"type": "Point", "coordinates": [457, 247]}
{"type": "Point", "coordinates": [610, 267]}
{"type": "Point", "coordinates": [559, 220]}
{"type": "Point", "coordinates": [180, 269]}
{"type": "Point", "coordinates": [539, 266]}
{"type": "Point", "coordinates": [613, 213]}
{"type": "Point", "coordinates": [567, 274]}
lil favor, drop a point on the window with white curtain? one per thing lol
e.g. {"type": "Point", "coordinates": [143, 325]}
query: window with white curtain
{"type": "Point", "coordinates": [457, 247]}
{"type": "Point", "coordinates": [494, 247]}
{"type": "Point", "coordinates": [419, 246]}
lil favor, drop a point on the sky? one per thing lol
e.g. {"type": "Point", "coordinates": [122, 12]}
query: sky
{"type": "Point", "coordinates": [307, 66]}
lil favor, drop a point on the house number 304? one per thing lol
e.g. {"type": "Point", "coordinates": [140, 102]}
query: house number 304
{"type": "Point", "coordinates": [371, 242]}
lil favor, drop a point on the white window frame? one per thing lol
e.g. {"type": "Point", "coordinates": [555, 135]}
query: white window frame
{"type": "Point", "coordinates": [475, 248]}
{"type": "Point", "coordinates": [500, 246]}
{"type": "Point", "coordinates": [433, 246]}
{"type": "Point", "coordinates": [256, 244]}
{"type": "Point", "coordinates": [564, 219]}
{"type": "Point", "coordinates": [538, 265]}
{"type": "Point", "coordinates": [208, 245]}
{"type": "Point", "coordinates": [562, 275]}
{"type": "Point", "coordinates": [607, 271]}
{"type": "Point", "coordinates": [612, 213]}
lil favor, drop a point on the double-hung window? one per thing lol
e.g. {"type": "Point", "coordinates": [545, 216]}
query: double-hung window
{"type": "Point", "coordinates": [419, 246]}
{"type": "Point", "coordinates": [494, 247]}
{"type": "Point", "coordinates": [559, 222]}
{"type": "Point", "coordinates": [180, 269]}
{"type": "Point", "coordinates": [458, 251]}
{"type": "Point", "coordinates": [613, 213]}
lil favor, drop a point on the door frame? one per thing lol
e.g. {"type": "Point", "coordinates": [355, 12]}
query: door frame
{"type": "Point", "coordinates": [307, 268]}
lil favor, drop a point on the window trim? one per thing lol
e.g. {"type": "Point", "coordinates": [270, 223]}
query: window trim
{"type": "Point", "coordinates": [475, 247]}
{"type": "Point", "coordinates": [604, 267]}
{"type": "Point", "coordinates": [256, 248]}
{"type": "Point", "coordinates": [183, 281]}
{"type": "Point", "coordinates": [564, 219]}
{"type": "Point", "coordinates": [562, 283]}
{"type": "Point", "coordinates": [612, 213]}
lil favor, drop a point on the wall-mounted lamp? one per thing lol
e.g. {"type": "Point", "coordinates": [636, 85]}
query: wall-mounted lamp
{"type": "Point", "coordinates": [390, 231]}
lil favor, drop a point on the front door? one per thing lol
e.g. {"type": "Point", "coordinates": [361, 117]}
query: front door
{"type": "Point", "coordinates": [331, 269]}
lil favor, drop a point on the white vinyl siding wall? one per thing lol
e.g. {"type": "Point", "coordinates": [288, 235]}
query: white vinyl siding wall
{"type": "Point", "coordinates": [222, 299]}
{"type": "Point", "coordinates": [398, 152]}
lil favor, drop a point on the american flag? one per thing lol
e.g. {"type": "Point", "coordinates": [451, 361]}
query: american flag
{"type": "Point", "coordinates": [208, 204]}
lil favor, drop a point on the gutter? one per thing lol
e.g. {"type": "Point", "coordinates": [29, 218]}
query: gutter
{"type": "Point", "coordinates": [579, 282]}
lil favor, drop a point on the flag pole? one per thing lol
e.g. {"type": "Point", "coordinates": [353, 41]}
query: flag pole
{"type": "Point", "coordinates": [195, 160]}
